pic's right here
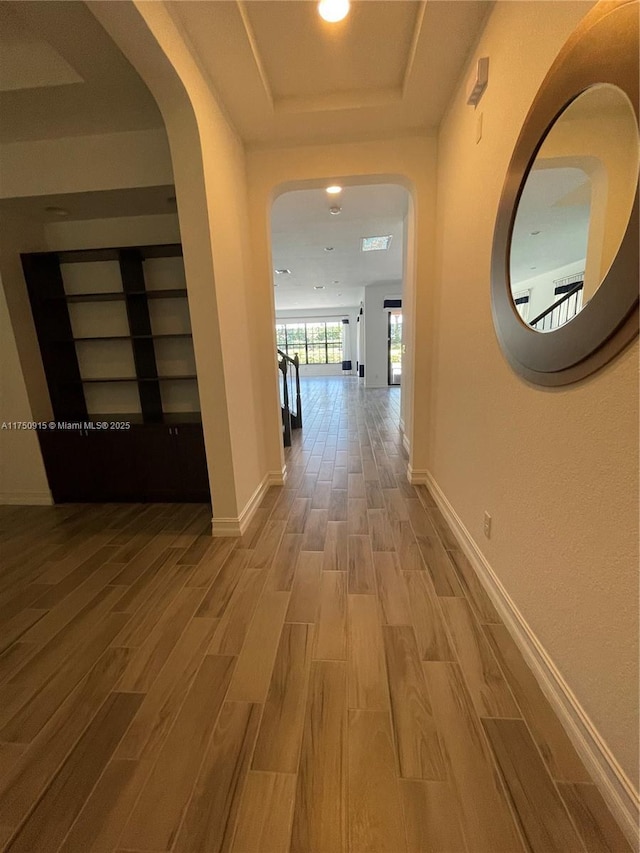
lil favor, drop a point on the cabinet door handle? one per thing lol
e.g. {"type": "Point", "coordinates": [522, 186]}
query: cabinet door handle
{"type": "Point", "coordinates": [176, 432]}
{"type": "Point", "coordinates": [170, 430]}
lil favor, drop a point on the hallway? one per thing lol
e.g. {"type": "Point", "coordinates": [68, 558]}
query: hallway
{"type": "Point", "coordinates": [336, 679]}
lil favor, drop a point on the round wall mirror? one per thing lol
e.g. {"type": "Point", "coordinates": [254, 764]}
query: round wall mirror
{"type": "Point", "coordinates": [574, 208]}
{"type": "Point", "coordinates": [565, 254]}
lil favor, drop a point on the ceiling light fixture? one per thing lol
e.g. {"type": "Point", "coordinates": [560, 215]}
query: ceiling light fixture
{"type": "Point", "coordinates": [376, 244]}
{"type": "Point", "coordinates": [318, 286]}
{"type": "Point", "coordinates": [334, 190]}
{"type": "Point", "coordinates": [333, 10]}
{"type": "Point", "coordinates": [335, 210]}
{"type": "Point", "coordinates": [328, 248]}
{"type": "Point", "coordinates": [283, 272]}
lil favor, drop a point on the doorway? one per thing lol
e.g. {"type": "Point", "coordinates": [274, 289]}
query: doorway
{"type": "Point", "coordinates": [394, 338]}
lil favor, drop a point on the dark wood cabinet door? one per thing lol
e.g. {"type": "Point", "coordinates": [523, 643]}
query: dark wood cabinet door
{"type": "Point", "coordinates": [147, 463]}
{"type": "Point", "coordinates": [192, 463]}
{"type": "Point", "coordinates": [116, 461]}
{"type": "Point", "coordinates": [156, 463]}
{"type": "Point", "coordinates": [69, 465]}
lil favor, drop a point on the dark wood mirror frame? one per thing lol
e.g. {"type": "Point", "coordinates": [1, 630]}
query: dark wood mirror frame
{"type": "Point", "coordinates": [603, 49]}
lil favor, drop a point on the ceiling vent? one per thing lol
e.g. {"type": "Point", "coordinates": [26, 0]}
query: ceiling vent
{"type": "Point", "coordinates": [376, 244]}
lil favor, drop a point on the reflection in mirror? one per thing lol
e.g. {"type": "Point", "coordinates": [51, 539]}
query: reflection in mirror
{"type": "Point", "coordinates": [574, 208]}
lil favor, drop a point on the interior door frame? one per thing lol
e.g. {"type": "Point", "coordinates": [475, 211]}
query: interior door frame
{"type": "Point", "coordinates": [389, 369]}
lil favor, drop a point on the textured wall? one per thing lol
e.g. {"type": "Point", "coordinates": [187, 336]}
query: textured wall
{"type": "Point", "coordinates": [557, 469]}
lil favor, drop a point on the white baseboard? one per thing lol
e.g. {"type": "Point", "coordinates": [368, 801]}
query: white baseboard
{"type": "Point", "coordinates": [237, 526]}
{"type": "Point", "coordinates": [277, 478]}
{"type": "Point", "coordinates": [26, 499]}
{"type": "Point", "coordinates": [613, 783]}
{"type": "Point", "coordinates": [417, 476]}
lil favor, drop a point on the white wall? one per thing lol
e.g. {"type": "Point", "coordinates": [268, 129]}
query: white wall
{"type": "Point", "coordinates": [114, 231]}
{"type": "Point", "coordinates": [209, 166]}
{"type": "Point", "coordinates": [376, 332]}
{"type": "Point", "coordinates": [20, 235]}
{"type": "Point", "coordinates": [137, 158]}
{"type": "Point", "coordinates": [22, 475]}
{"type": "Point", "coordinates": [556, 468]}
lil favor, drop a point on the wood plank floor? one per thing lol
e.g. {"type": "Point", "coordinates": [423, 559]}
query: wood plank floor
{"type": "Point", "coordinates": [335, 680]}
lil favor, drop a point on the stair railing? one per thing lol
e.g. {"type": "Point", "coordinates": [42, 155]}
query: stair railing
{"type": "Point", "coordinates": [547, 320]}
{"type": "Point", "coordinates": [290, 389]}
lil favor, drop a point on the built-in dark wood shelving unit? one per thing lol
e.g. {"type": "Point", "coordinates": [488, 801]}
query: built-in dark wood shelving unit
{"type": "Point", "coordinates": [161, 456]}
{"type": "Point", "coordinates": [189, 376]}
{"type": "Point", "coordinates": [120, 296]}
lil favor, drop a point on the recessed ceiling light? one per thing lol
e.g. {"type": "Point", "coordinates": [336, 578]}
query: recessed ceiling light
{"type": "Point", "coordinates": [335, 210]}
{"type": "Point", "coordinates": [376, 244]}
{"type": "Point", "coordinates": [57, 211]}
{"type": "Point", "coordinates": [283, 272]}
{"type": "Point", "coordinates": [334, 190]}
{"type": "Point", "coordinates": [318, 286]}
{"type": "Point", "coordinates": [333, 10]}
{"type": "Point", "coordinates": [328, 248]}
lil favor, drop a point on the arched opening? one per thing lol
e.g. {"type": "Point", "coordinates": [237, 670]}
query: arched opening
{"type": "Point", "coordinates": [342, 300]}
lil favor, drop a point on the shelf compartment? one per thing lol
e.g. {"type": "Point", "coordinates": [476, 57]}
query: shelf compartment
{"type": "Point", "coordinates": [107, 358]}
{"type": "Point", "coordinates": [111, 296]}
{"type": "Point", "coordinates": [111, 399]}
{"type": "Point", "coordinates": [87, 281]}
{"type": "Point", "coordinates": [166, 273]}
{"type": "Point", "coordinates": [169, 293]}
{"type": "Point", "coordinates": [191, 377]}
{"type": "Point", "coordinates": [179, 395]}
{"type": "Point", "coordinates": [120, 295]}
{"type": "Point", "coordinates": [105, 380]}
{"type": "Point", "coordinates": [169, 317]}
{"type": "Point", "coordinates": [94, 338]}
{"type": "Point", "coordinates": [175, 357]}
{"type": "Point", "coordinates": [106, 320]}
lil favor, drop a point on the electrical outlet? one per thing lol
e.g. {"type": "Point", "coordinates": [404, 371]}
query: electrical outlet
{"type": "Point", "coordinates": [487, 525]}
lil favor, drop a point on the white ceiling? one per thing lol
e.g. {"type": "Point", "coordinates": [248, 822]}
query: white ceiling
{"type": "Point", "coordinates": [302, 228]}
{"type": "Point", "coordinates": [556, 204]}
{"type": "Point", "coordinates": [61, 75]}
{"type": "Point", "coordinates": [285, 75]}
